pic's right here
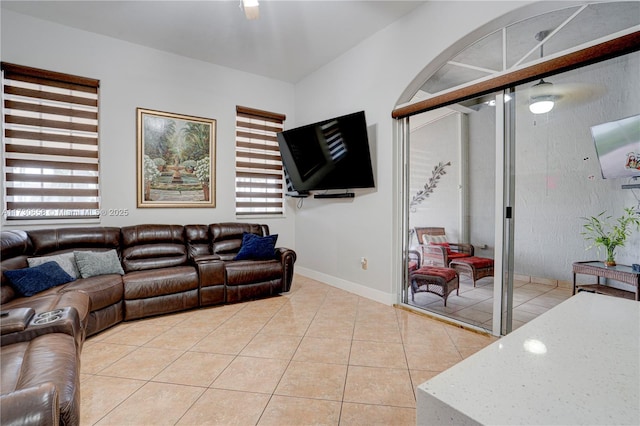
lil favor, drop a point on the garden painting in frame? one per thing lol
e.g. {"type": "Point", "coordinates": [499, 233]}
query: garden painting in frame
{"type": "Point", "coordinates": [176, 160]}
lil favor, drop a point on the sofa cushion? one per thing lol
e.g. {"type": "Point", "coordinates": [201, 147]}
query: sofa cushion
{"type": "Point", "coordinates": [435, 271]}
{"type": "Point", "coordinates": [252, 271]}
{"type": "Point", "coordinates": [57, 240]}
{"type": "Point", "coordinates": [149, 247]}
{"type": "Point", "coordinates": [30, 281]}
{"type": "Point", "coordinates": [103, 290]}
{"type": "Point", "coordinates": [226, 238]}
{"type": "Point", "coordinates": [257, 247]}
{"type": "Point", "coordinates": [50, 358]}
{"type": "Point", "coordinates": [91, 264]}
{"type": "Point", "coordinates": [67, 261]}
{"type": "Point", "coordinates": [477, 262]}
{"type": "Point", "coordinates": [52, 299]}
{"type": "Point", "coordinates": [158, 282]}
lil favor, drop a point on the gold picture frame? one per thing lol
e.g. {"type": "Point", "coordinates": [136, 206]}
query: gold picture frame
{"type": "Point", "coordinates": [175, 160]}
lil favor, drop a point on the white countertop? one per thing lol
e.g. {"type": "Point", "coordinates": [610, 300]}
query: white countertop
{"type": "Point", "coordinates": [578, 363]}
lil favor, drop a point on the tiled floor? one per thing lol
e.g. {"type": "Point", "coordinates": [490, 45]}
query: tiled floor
{"type": "Point", "coordinates": [474, 305]}
{"type": "Point", "coordinates": [317, 355]}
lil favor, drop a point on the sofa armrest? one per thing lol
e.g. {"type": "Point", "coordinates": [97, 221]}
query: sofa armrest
{"type": "Point", "coordinates": [210, 272]}
{"type": "Point", "coordinates": [462, 248]}
{"type": "Point", "coordinates": [14, 320]}
{"type": "Point", "coordinates": [204, 258]}
{"type": "Point", "coordinates": [433, 255]}
{"type": "Point", "coordinates": [36, 405]}
{"type": "Point", "coordinates": [287, 258]}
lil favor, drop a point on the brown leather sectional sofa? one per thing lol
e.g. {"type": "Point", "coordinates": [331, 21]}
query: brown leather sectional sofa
{"type": "Point", "coordinates": [167, 268]}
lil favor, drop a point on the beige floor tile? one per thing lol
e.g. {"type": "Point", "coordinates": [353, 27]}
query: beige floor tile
{"type": "Point", "coordinates": [426, 332]}
{"type": "Point", "coordinates": [142, 364]}
{"type": "Point", "coordinates": [325, 350]}
{"type": "Point", "coordinates": [299, 370]}
{"type": "Point", "coordinates": [224, 341]}
{"type": "Point", "coordinates": [251, 375]}
{"type": "Point", "coordinates": [225, 407]}
{"type": "Point", "coordinates": [462, 338]}
{"type": "Point", "coordinates": [154, 404]}
{"type": "Point", "coordinates": [137, 333]}
{"type": "Point", "coordinates": [288, 325]}
{"type": "Point", "coordinates": [377, 354]}
{"type": "Point", "coordinates": [379, 386]}
{"type": "Point", "coordinates": [432, 357]}
{"type": "Point", "coordinates": [265, 345]}
{"type": "Point", "coordinates": [107, 333]}
{"type": "Point", "coordinates": [169, 320]}
{"type": "Point", "coordinates": [474, 316]}
{"type": "Point", "coordinates": [100, 395]}
{"type": "Point", "coordinates": [194, 369]}
{"type": "Point", "coordinates": [313, 380]}
{"type": "Point", "coordinates": [418, 377]}
{"type": "Point", "coordinates": [364, 414]}
{"type": "Point", "coordinates": [380, 332]}
{"type": "Point", "coordinates": [243, 324]}
{"type": "Point", "coordinates": [284, 410]}
{"type": "Point", "coordinates": [213, 315]}
{"type": "Point", "coordinates": [98, 356]}
{"type": "Point", "coordinates": [181, 338]}
{"type": "Point", "coordinates": [330, 328]}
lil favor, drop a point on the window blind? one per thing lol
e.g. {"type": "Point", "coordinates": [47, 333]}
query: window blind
{"type": "Point", "coordinates": [50, 144]}
{"type": "Point", "coordinates": [259, 171]}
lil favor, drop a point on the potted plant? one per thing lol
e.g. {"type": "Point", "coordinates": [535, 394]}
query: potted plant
{"type": "Point", "coordinates": [602, 232]}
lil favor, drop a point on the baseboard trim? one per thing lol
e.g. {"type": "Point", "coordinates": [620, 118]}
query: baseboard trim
{"type": "Point", "coordinates": [351, 287]}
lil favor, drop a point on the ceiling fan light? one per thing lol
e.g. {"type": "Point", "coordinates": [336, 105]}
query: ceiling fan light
{"type": "Point", "coordinates": [251, 9]}
{"type": "Point", "coordinates": [541, 104]}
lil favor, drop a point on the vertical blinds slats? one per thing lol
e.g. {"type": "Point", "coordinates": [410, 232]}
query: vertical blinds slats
{"type": "Point", "coordinates": [50, 144]}
{"type": "Point", "coordinates": [259, 174]}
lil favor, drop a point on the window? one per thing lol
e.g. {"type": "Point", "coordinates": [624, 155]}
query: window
{"type": "Point", "coordinates": [259, 171]}
{"type": "Point", "coordinates": [50, 144]}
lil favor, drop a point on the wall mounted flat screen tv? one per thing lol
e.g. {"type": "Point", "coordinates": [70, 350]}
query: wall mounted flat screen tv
{"type": "Point", "coordinates": [618, 147]}
{"type": "Point", "coordinates": [331, 154]}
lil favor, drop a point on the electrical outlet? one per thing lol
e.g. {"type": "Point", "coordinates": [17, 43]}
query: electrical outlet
{"type": "Point", "coordinates": [363, 262]}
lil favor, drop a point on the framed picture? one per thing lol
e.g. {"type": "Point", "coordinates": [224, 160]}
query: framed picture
{"type": "Point", "coordinates": [176, 160]}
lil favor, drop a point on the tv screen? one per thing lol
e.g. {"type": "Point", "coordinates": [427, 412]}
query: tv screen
{"type": "Point", "coordinates": [618, 147]}
{"type": "Point", "coordinates": [331, 154]}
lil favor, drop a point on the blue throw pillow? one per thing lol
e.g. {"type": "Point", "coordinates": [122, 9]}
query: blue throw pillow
{"type": "Point", "coordinates": [255, 247]}
{"type": "Point", "coordinates": [29, 281]}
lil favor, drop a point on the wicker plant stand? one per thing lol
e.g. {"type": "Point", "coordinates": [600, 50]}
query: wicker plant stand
{"type": "Point", "coordinates": [473, 267]}
{"type": "Point", "coordinates": [622, 273]}
{"type": "Point", "coordinates": [436, 280]}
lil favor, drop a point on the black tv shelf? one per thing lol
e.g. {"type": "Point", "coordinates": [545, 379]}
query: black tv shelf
{"type": "Point", "coordinates": [339, 195]}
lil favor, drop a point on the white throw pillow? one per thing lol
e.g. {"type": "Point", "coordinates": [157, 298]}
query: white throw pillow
{"type": "Point", "coordinates": [426, 239]}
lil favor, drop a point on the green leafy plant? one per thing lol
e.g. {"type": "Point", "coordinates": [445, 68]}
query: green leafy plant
{"type": "Point", "coordinates": [602, 232]}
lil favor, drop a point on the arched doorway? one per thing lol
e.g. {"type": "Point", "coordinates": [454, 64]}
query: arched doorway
{"type": "Point", "coordinates": [482, 166]}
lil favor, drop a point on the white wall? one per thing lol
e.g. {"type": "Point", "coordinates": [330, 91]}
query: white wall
{"type": "Point", "coordinates": [331, 236]}
{"type": "Point", "coordinates": [434, 143]}
{"type": "Point", "coordinates": [558, 178]}
{"type": "Point", "coordinates": [133, 76]}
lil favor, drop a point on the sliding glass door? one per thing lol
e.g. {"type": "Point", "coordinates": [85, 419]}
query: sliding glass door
{"type": "Point", "coordinates": [451, 186]}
